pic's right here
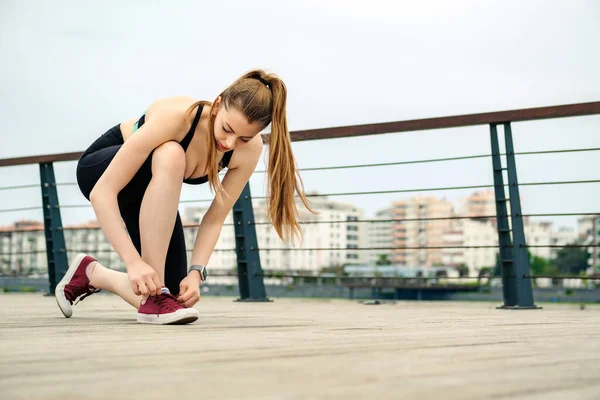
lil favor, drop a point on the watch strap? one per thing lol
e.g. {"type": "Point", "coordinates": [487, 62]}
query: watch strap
{"type": "Point", "coordinates": [201, 269]}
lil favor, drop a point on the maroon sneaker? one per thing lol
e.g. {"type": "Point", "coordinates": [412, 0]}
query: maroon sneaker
{"type": "Point", "coordinates": [75, 285]}
{"type": "Point", "coordinates": [164, 309]}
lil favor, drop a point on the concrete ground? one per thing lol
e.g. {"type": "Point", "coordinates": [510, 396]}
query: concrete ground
{"type": "Point", "coordinates": [299, 349]}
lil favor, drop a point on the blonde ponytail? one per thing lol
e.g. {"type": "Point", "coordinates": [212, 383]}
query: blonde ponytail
{"type": "Point", "coordinates": [262, 98]}
{"type": "Point", "coordinates": [282, 170]}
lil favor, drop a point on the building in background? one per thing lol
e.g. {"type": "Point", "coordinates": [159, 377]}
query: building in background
{"type": "Point", "coordinates": [88, 238]}
{"type": "Point", "coordinates": [476, 236]}
{"type": "Point", "coordinates": [408, 233]}
{"type": "Point", "coordinates": [333, 238]}
{"type": "Point", "coordinates": [595, 251]}
{"type": "Point", "coordinates": [478, 204]}
{"type": "Point", "coordinates": [379, 235]}
{"type": "Point", "coordinates": [588, 229]}
{"type": "Point", "coordinates": [561, 237]}
{"type": "Point", "coordinates": [23, 249]}
{"type": "Point", "coordinates": [585, 227]}
{"type": "Point", "coordinates": [543, 234]}
{"type": "Point", "coordinates": [336, 228]}
{"type": "Point", "coordinates": [538, 234]}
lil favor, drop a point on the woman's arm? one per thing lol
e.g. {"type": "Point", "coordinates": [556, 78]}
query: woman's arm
{"type": "Point", "coordinates": [234, 182]}
{"type": "Point", "coordinates": [160, 128]}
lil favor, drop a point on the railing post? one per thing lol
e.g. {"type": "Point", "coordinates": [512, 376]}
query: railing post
{"type": "Point", "coordinates": [251, 283]}
{"type": "Point", "coordinates": [55, 238]}
{"type": "Point", "coordinates": [523, 285]}
{"type": "Point", "coordinates": [505, 253]}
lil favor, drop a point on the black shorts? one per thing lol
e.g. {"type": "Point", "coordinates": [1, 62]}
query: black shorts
{"type": "Point", "coordinates": [94, 161]}
{"type": "Point", "coordinates": [90, 167]}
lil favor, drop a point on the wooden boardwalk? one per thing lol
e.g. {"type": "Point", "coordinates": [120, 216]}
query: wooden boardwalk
{"type": "Point", "coordinates": [299, 349]}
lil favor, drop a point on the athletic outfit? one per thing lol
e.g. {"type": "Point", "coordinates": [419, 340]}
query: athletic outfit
{"type": "Point", "coordinates": [94, 162]}
{"type": "Point", "coordinates": [90, 167]}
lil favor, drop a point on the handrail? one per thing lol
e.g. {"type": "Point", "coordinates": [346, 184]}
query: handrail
{"type": "Point", "coordinates": [47, 158]}
{"type": "Point", "coordinates": [497, 117]}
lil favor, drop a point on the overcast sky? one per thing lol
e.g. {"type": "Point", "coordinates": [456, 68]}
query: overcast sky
{"type": "Point", "coordinates": [69, 70]}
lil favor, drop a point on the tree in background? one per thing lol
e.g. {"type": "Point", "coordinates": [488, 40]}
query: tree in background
{"type": "Point", "coordinates": [338, 270]}
{"type": "Point", "coordinates": [571, 260]}
{"type": "Point", "coordinates": [485, 272]}
{"type": "Point", "coordinates": [383, 260]}
{"type": "Point", "coordinates": [496, 270]}
{"type": "Point", "coordinates": [541, 266]}
{"type": "Point", "coordinates": [463, 270]}
{"type": "Point", "coordinates": [537, 265]}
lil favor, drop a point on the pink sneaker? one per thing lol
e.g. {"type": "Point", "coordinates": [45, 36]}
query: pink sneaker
{"type": "Point", "coordinates": [75, 285]}
{"type": "Point", "coordinates": [164, 309]}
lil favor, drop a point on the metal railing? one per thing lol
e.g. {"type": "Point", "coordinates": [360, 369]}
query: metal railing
{"type": "Point", "coordinates": [512, 246]}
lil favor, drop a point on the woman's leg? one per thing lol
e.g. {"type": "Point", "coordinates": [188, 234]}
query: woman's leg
{"type": "Point", "coordinates": [118, 282]}
{"type": "Point", "coordinates": [149, 219]}
{"type": "Point", "coordinates": [85, 274]}
{"type": "Point", "coordinates": [113, 281]}
{"type": "Point", "coordinates": [158, 212]}
{"type": "Point", "coordinates": [176, 265]}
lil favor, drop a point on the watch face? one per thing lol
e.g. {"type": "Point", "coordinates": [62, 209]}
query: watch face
{"type": "Point", "coordinates": [201, 270]}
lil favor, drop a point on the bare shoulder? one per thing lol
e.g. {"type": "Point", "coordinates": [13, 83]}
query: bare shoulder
{"type": "Point", "coordinates": [173, 113]}
{"type": "Point", "coordinates": [247, 156]}
{"type": "Point", "coordinates": [174, 107]}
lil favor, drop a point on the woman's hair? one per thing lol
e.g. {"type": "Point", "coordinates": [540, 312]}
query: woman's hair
{"type": "Point", "coordinates": [261, 97]}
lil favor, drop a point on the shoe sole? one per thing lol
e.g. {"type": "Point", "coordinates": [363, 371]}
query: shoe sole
{"type": "Point", "coordinates": [179, 317]}
{"type": "Point", "coordinates": [59, 292]}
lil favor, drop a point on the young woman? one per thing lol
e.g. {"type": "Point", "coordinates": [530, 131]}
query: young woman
{"type": "Point", "coordinates": [134, 174]}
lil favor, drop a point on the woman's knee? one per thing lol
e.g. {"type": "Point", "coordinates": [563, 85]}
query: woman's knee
{"type": "Point", "coordinates": [169, 158]}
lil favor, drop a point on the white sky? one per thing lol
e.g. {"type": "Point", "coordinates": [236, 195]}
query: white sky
{"type": "Point", "coordinates": [69, 70]}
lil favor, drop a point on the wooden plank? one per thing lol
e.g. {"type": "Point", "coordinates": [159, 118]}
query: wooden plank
{"type": "Point", "coordinates": [299, 348]}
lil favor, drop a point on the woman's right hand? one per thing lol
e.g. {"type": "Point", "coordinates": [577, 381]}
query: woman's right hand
{"type": "Point", "coordinates": [143, 279]}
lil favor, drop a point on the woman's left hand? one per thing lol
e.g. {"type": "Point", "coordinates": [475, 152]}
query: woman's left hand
{"type": "Point", "coordinates": [189, 289]}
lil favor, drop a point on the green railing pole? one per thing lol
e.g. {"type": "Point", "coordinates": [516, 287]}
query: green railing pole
{"type": "Point", "coordinates": [53, 229]}
{"type": "Point", "coordinates": [250, 274]}
{"type": "Point", "coordinates": [505, 253]}
{"type": "Point", "coordinates": [523, 285]}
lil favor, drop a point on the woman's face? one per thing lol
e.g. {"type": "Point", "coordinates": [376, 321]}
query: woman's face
{"type": "Point", "coordinates": [232, 129]}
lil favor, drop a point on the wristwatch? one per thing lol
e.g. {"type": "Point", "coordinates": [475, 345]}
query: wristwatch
{"type": "Point", "coordinates": [201, 269]}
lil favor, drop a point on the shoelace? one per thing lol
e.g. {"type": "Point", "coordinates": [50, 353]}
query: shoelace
{"type": "Point", "coordinates": [89, 291]}
{"type": "Point", "coordinates": [167, 301]}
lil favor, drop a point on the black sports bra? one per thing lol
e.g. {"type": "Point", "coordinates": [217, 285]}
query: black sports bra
{"type": "Point", "coordinates": [186, 142]}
